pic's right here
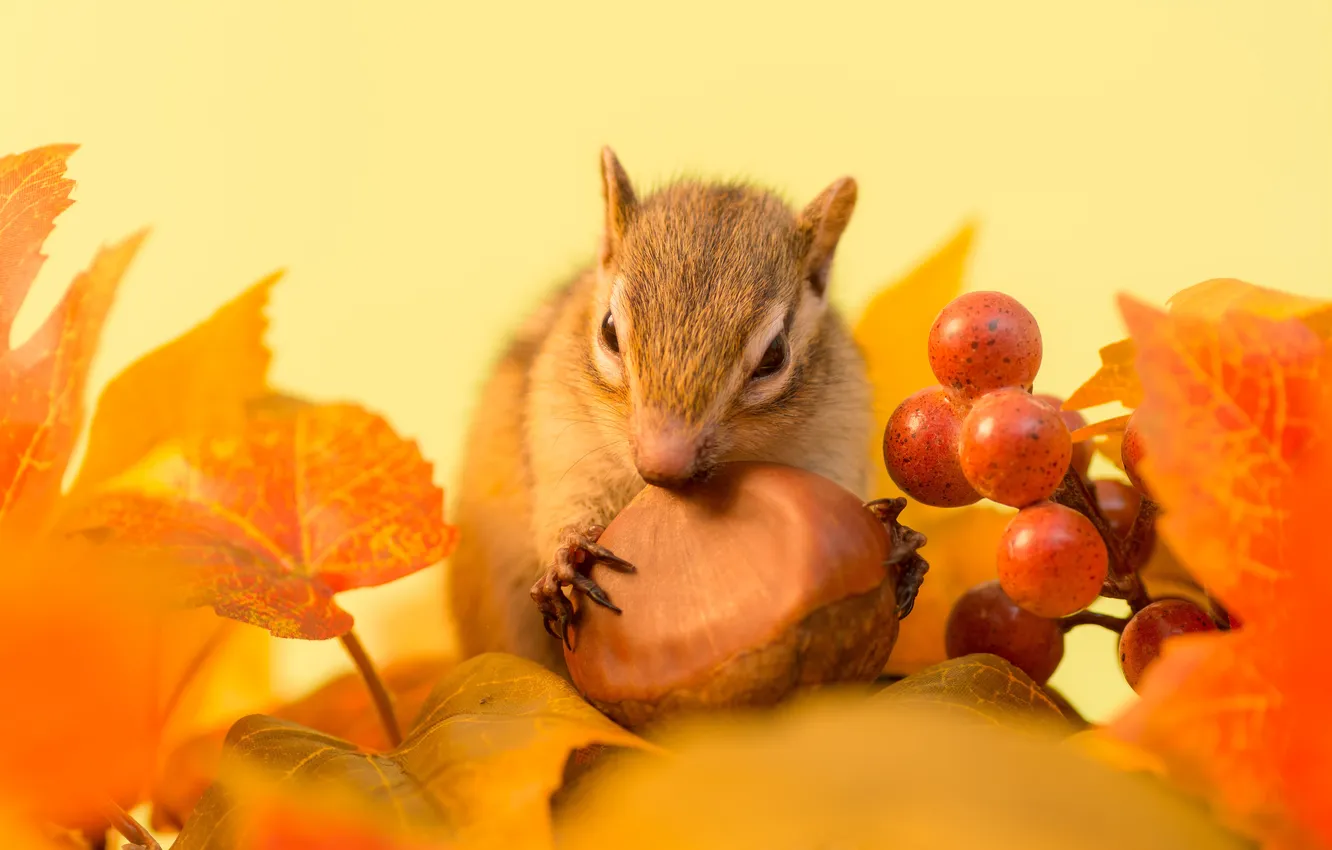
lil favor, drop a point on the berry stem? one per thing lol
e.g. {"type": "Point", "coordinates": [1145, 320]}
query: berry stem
{"type": "Point", "coordinates": [1122, 581]}
{"type": "Point", "coordinates": [379, 693]}
{"type": "Point", "coordinates": [133, 831]}
{"type": "Point", "coordinates": [1093, 618]}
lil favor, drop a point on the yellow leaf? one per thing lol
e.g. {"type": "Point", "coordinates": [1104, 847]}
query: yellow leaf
{"type": "Point", "coordinates": [487, 752]}
{"type": "Point", "coordinates": [1113, 752]}
{"type": "Point", "coordinates": [849, 772]}
{"type": "Point", "coordinates": [200, 380]}
{"type": "Point", "coordinates": [893, 333]}
{"type": "Point", "coordinates": [1111, 447]}
{"type": "Point", "coordinates": [1116, 380]}
{"type": "Point", "coordinates": [981, 686]}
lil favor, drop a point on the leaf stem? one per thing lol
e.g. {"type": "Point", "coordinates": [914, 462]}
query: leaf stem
{"type": "Point", "coordinates": [121, 822]}
{"type": "Point", "coordinates": [192, 669]}
{"type": "Point", "coordinates": [378, 693]}
{"type": "Point", "coordinates": [1093, 618]}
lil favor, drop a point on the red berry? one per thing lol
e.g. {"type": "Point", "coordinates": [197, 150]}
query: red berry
{"type": "Point", "coordinates": [1131, 452]}
{"type": "Point", "coordinates": [984, 619]}
{"type": "Point", "coordinates": [983, 341]}
{"type": "Point", "coordinates": [1052, 561]}
{"type": "Point", "coordinates": [920, 450]}
{"type": "Point", "coordinates": [1014, 448]}
{"type": "Point", "coordinates": [1073, 420]}
{"type": "Point", "coordinates": [1118, 502]}
{"type": "Point", "coordinates": [1140, 644]}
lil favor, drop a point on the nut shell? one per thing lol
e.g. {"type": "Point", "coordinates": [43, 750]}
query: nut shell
{"type": "Point", "coordinates": [764, 580]}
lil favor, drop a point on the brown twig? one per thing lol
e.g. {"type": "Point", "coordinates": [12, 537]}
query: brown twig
{"type": "Point", "coordinates": [1092, 618]}
{"type": "Point", "coordinates": [1122, 582]}
{"type": "Point", "coordinates": [378, 693]}
{"type": "Point", "coordinates": [134, 833]}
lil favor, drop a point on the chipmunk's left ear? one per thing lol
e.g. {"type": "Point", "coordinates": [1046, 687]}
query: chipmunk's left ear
{"type": "Point", "coordinates": [618, 195]}
{"type": "Point", "coordinates": [821, 225]}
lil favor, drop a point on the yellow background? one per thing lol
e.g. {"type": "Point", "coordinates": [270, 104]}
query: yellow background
{"type": "Point", "coordinates": [425, 170]}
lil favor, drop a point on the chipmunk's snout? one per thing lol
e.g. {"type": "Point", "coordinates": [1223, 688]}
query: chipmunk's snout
{"type": "Point", "coordinates": [667, 450]}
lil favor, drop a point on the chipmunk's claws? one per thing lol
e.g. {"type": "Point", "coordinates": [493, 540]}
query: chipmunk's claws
{"type": "Point", "coordinates": [578, 554]}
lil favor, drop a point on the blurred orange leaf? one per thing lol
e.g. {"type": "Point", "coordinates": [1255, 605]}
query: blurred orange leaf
{"type": "Point", "coordinates": [78, 664]}
{"type": "Point", "coordinates": [982, 686]}
{"type": "Point", "coordinates": [78, 604]}
{"type": "Point", "coordinates": [850, 772]}
{"type": "Point", "coordinates": [488, 750]}
{"type": "Point", "coordinates": [268, 522]}
{"type": "Point", "coordinates": [1237, 422]}
{"type": "Point", "coordinates": [892, 332]}
{"type": "Point", "coordinates": [1117, 379]}
{"type": "Point", "coordinates": [341, 708]}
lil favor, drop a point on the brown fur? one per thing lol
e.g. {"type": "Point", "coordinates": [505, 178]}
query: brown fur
{"type": "Point", "coordinates": [550, 446]}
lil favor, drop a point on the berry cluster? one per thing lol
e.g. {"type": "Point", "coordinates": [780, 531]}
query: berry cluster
{"type": "Point", "coordinates": [982, 432]}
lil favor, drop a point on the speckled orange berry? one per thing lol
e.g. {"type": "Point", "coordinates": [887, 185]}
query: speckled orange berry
{"type": "Point", "coordinates": [983, 341]}
{"type": "Point", "coordinates": [920, 450]}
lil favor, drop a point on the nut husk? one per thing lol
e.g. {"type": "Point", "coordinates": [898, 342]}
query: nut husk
{"type": "Point", "coordinates": [760, 581]}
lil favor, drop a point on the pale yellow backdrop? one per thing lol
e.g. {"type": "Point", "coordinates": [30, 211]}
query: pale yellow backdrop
{"type": "Point", "coordinates": [425, 170]}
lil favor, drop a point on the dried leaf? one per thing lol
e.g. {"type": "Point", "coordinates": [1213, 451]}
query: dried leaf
{"type": "Point", "coordinates": [41, 394]}
{"type": "Point", "coordinates": [199, 381]}
{"type": "Point", "coordinates": [852, 772]}
{"type": "Point", "coordinates": [981, 686]}
{"type": "Point", "coordinates": [1117, 379]}
{"type": "Point", "coordinates": [1238, 451]}
{"type": "Point", "coordinates": [1114, 425]}
{"type": "Point", "coordinates": [961, 548]}
{"type": "Point", "coordinates": [487, 752]}
{"type": "Point", "coordinates": [268, 522]}
{"type": "Point", "coordinates": [341, 708]}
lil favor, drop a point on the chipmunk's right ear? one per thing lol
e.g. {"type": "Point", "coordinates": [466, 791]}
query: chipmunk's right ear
{"type": "Point", "coordinates": [822, 224]}
{"type": "Point", "coordinates": [619, 197]}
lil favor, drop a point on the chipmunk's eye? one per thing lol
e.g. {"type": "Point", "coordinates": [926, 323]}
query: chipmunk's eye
{"type": "Point", "coordinates": [774, 358]}
{"type": "Point", "coordinates": [608, 335]}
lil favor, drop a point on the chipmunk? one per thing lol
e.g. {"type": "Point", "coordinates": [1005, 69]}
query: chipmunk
{"type": "Point", "coordinates": [702, 334]}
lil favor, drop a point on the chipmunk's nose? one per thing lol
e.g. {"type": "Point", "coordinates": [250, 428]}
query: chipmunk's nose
{"type": "Point", "coordinates": [666, 448]}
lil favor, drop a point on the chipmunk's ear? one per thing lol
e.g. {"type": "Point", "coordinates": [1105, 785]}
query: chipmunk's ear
{"type": "Point", "coordinates": [821, 226]}
{"type": "Point", "coordinates": [619, 197]}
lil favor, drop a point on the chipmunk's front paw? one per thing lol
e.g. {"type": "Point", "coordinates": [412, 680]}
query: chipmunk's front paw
{"type": "Point", "coordinates": [905, 542]}
{"type": "Point", "coordinates": [573, 560]}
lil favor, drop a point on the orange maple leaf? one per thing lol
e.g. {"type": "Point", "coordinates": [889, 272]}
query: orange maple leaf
{"type": "Point", "coordinates": [1237, 421]}
{"type": "Point", "coordinates": [84, 640]}
{"type": "Point", "coordinates": [268, 522]}
{"type": "Point", "coordinates": [42, 381]}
